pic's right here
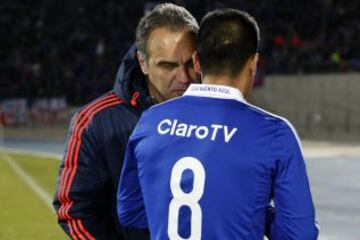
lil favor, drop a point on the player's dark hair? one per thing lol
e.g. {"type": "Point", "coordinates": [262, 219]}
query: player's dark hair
{"type": "Point", "coordinates": [226, 40]}
{"type": "Point", "coordinates": [166, 15]}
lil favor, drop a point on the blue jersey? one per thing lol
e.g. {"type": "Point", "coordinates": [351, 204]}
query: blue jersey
{"type": "Point", "coordinates": [206, 166]}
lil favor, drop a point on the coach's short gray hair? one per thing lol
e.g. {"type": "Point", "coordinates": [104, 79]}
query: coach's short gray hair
{"type": "Point", "coordinates": [166, 15]}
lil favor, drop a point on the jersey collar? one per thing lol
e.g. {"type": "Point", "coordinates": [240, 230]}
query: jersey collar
{"type": "Point", "coordinates": [214, 91]}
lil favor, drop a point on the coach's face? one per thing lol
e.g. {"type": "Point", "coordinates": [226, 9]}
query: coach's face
{"type": "Point", "coordinates": [169, 65]}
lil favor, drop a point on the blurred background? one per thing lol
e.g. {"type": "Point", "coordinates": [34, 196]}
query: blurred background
{"type": "Point", "coordinates": [58, 55]}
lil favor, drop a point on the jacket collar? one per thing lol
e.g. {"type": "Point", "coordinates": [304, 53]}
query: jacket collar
{"type": "Point", "coordinates": [131, 84]}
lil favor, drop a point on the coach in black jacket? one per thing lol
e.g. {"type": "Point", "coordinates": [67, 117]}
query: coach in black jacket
{"type": "Point", "coordinates": [161, 69]}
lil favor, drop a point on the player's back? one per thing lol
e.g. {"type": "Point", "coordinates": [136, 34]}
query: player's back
{"type": "Point", "coordinates": [204, 168]}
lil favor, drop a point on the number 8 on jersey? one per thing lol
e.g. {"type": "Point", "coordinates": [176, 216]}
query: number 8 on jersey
{"type": "Point", "coordinates": [190, 199]}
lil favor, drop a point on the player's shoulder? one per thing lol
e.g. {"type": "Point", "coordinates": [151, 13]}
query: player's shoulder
{"type": "Point", "coordinates": [161, 107]}
{"type": "Point", "coordinates": [269, 117]}
{"type": "Point", "coordinates": [166, 104]}
{"type": "Point", "coordinates": [281, 130]}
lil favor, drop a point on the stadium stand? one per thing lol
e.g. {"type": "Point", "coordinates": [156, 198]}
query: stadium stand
{"type": "Point", "coordinates": [55, 49]}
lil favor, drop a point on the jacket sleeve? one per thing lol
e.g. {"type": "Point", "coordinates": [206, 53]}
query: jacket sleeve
{"type": "Point", "coordinates": [294, 216]}
{"type": "Point", "coordinates": [80, 201]}
{"type": "Point", "coordinates": [131, 207]}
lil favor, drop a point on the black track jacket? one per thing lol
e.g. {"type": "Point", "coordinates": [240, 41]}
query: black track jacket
{"type": "Point", "coordinates": [85, 199]}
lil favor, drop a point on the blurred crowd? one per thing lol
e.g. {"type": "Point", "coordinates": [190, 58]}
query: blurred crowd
{"type": "Point", "coordinates": [72, 49]}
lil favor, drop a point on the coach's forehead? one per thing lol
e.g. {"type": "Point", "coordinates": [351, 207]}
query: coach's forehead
{"type": "Point", "coordinates": [167, 43]}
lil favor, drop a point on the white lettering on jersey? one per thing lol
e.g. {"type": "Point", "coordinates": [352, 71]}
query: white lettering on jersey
{"type": "Point", "coordinates": [228, 135]}
{"type": "Point", "coordinates": [215, 128]}
{"type": "Point", "coordinates": [173, 128]}
{"type": "Point", "coordinates": [214, 89]}
{"type": "Point", "coordinates": [163, 130]}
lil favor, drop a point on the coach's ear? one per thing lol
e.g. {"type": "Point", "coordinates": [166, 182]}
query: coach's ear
{"type": "Point", "coordinates": [196, 62]}
{"type": "Point", "coordinates": [143, 63]}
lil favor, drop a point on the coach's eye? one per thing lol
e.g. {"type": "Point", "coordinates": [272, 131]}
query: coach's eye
{"type": "Point", "coordinates": [168, 66]}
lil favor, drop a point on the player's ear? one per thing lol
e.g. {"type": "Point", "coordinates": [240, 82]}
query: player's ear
{"type": "Point", "coordinates": [253, 65]}
{"type": "Point", "coordinates": [143, 62]}
{"type": "Point", "coordinates": [196, 62]}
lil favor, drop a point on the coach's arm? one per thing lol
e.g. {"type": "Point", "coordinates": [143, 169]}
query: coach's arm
{"type": "Point", "coordinates": [82, 200]}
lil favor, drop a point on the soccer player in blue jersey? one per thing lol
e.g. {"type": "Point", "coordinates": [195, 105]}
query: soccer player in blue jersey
{"type": "Point", "coordinates": [206, 165]}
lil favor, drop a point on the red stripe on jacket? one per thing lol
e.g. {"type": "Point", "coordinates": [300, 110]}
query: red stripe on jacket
{"type": "Point", "coordinates": [76, 228]}
{"type": "Point", "coordinates": [79, 121]}
{"type": "Point", "coordinates": [72, 158]}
